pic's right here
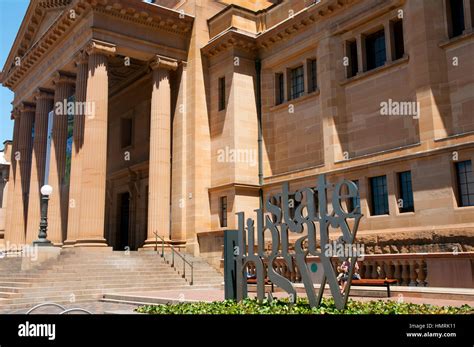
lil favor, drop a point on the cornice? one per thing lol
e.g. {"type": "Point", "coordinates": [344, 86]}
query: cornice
{"type": "Point", "coordinates": [232, 38]}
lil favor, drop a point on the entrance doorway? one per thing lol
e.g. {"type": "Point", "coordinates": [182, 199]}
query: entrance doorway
{"type": "Point", "coordinates": [123, 222]}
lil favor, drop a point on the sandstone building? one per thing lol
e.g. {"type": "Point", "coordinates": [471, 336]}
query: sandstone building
{"type": "Point", "coordinates": [199, 107]}
{"type": "Point", "coordinates": [4, 176]}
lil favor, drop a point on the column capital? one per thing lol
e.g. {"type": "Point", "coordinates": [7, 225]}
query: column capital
{"type": "Point", "coordinates": [100, 47]}
{"type": "Point", "coordinates": [15, 114]}
{"type": "Point", "coordinates": [64, 77]}
{"type": "Point", "coordinates": [162, 62]}
{"type": "Point", "coordinates": [81, 57]}
{"type": "Point", "coordinates": [43, 93]}
{"type": "Point", "coordinates": [27, 107]}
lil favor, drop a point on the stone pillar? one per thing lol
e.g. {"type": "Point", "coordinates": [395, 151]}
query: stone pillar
{"type": "Point", "coordinates": [362, 65]}
{"type": "Point", "coordinates": [44, 104]}
{"type": "Point", "coordinates": [57, 215]}
{"type": "Point", "coordinates": [468, 16]}
{"type": "Point", "coordinates": [159, 186]}
{"type": "Point", "coordinates": [389, 44]}
{"type": "Point", "coordinates": [74, 212]}
{"type": "Point", "coordinates": [22, 174]}
{"type": "Point", "coordinates": [94, 149]}
{"type": "Point", "coordinates": [12, 177]}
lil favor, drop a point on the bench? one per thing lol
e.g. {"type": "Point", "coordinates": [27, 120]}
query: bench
{"type": "Point", "coordinates": [253, 280]}
{"type": "Point", "coordinates": [375, 283]}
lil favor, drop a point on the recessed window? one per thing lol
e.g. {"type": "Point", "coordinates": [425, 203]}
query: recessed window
{"type": "Point", "coordinates": [455, 16]}
{"type": "Point", "coordinates": [354, 202]}
{"type": "Point", "coordinates": [405, 192]}
{"type": "Point", "coordinates": [375, 50]}
{"type": "Point", "coordinates": [379, 195]}
{"type": "Point", "coordinates": [297, 82]}
{"type": "Point", "coordinates": [398, 42]}
{"type": "Point", "coordinates": [465, 183]}
{"type": "Point", "coordinates": [126, 128]}
{"type": "Point", "coordinates": [279, 89]}
{"type": "Point", "coordinates": [353, 62]}
{"type": "Point", "coordinates": [313, 77]}
{"type": "Point", "coordinates": [221, 93]}
{"type": "Point", "coordinates": [223, 211]}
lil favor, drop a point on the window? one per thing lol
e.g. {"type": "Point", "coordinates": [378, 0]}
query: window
{"type": "Point", "coordinates": [223, 211]}
{"type": "Point", "coordinates": [398, 40]}
{"type": "Point", "coordinates": [405, 192]}
{"type": "Point", "coordinates": [465, 182]}
{"type": "Point", "coordinates": [221, 93]}
{"type": "Point", "coordinates": [353, 62]}
{"type": "Point", "coordinates": [313, 77]}
{"type": "Point", "coordinates": [379, 195]}
{"type": "Point", "coordinates": [126, 128]}
{"type": "Point", "coordinates": [354, 202]}
{"type": "Point", "coordinates": [455, 15]}
{"type": "Point", "coordinates": [279, 89]}
{"type": "Point", "coordinates": [297, 82]}
{"type": "Point", "coordinates": [375, 50]}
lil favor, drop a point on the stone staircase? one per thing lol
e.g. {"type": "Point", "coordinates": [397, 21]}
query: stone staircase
{"type": "Point", "coordinates": [86, 274]}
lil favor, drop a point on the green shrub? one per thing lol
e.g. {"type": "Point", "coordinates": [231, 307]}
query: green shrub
{"type": "Point", "coordinates": [282, 306]}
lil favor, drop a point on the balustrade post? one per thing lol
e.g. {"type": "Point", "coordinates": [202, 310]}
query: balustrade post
{"type": "Point", "coordinates": [397, 273]}
{"type": "Point", "coordinates": [405, 273]}
{"type": "Point", "coordinates": [413, 274]}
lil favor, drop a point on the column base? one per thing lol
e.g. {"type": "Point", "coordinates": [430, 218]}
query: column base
{"type": "Point", "coordinates": [150, 244]}
{"type": "Point", "coordinates": [69, 243]}
{"type": "Point", "coordinates": [91, 243]}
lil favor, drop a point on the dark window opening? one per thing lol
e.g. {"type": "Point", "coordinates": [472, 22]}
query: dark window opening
{"type": "Point", "coordinates": [297, 82]}
{"type": "Point", "coordinates": [280, 88]}
{"type": "Point", "coordinates": [405, 192]}
{"type": "Point", "coordinates": [379, 195]}
{"type": "Point", "coordinates": [353, 62]}
{"type": "Point", "coordinates": [455, 14]}
{"type": "Point", "coordinates": [398, 40]}
{"type": "Point", "coordinates": [221, 93]}
{"type": "Point", "coordinates": [223, 211]}
{"type": "Point", "coordinates": [313, 77]}
{"type": "Point", "coordinates": [465, 183]}
{"type": "Point", "coordinates": [375, 50]}
{"type": "Point", "coordinates": [127, 132]}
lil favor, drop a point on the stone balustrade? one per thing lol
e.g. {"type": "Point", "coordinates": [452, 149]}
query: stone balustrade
{"type": "Point", "coordinates": [410, 269]}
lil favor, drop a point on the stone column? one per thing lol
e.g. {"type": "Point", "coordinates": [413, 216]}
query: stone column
{"type": "Point", "coordinates": [12, 177]}
{"type": "Point", "coordinates": [22, 174]}
{"type": "Point", "coordinates": [468, 16]}
{"type": "Point", "coordinates": [57, 216]}
{"type": "Point", "coordinates": [74, 212]}
{"type": "Point", "coordinates": [389, 44]}
{"type": "Point", "coordinates": [159, 186]}
{"type": "Point", "coordinates": [44, 104]}
{"type": "Point", "coordinates": [362, 65]}
{"type": "Point", "coordinates": [94, 149]}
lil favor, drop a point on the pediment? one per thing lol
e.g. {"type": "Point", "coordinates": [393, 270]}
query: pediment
{"type": "Point", "coordinates": [39, 16]}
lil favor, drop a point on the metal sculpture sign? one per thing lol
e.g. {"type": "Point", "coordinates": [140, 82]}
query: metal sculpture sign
{"type": "Point", "coordinates": [302, 212]}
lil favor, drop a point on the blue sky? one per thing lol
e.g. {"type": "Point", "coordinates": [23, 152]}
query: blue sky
{"type": "Point", "coordinates": [11, 15]}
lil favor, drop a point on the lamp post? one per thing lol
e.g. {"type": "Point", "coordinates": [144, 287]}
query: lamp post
{"type": "Point", "coordinates": [46, 191]}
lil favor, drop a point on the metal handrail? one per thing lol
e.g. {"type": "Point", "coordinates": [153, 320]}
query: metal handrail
{"type": "Point", "coordinates": [46, 304]}
{"type": "Point", "coordinates": [174, 250]}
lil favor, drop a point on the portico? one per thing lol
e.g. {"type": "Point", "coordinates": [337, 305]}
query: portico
{"type": "Point", "coordinates": [106, 192]}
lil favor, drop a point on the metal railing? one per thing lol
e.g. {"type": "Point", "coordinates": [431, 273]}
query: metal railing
{"type": "Point", "coordinates": [173, 252]}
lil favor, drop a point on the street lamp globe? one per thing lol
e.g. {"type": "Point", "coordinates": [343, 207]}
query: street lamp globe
{"type": "Point", "coordinates": [46, 190]}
